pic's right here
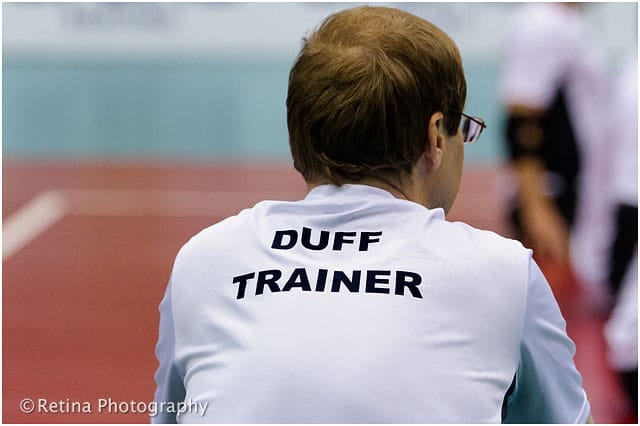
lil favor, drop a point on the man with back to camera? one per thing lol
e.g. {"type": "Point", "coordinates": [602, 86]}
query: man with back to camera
{"type": "Point", "coordinates": [361, 303]}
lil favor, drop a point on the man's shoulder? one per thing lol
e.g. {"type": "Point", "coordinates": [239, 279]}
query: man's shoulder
{"type": "Point", "coordinates": [475, 243]}
{"type": "Point", "coordinates": [222, 236]}
{"type": "Point", "coordinates": [235, 235]}
{"type": "Point", "coordinates": [226, 226]}
{"type": "Point", "coordinates": [464, 230]}
{"type": "Point", "coordinates": [487, 260]}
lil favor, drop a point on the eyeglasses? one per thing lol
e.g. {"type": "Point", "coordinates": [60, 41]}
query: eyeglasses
{"type": "Point", "coordinates": [471, 127]}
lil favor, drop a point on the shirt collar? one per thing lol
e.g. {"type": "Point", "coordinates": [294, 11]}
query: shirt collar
{"type": "Point", "coordinates": [349, 190]}
{"type": "Point", "coordinates": [352, 192]}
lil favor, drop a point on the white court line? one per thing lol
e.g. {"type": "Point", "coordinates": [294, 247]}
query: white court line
{"type": "Point", "coordinates": [46, 208]}
{"type": "Point", "coordinates": [174, 203]}
{"type": "Point", "coordinates": [31, 220]}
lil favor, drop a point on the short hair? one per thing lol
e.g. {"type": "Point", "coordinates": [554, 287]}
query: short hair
{"type": "Point", "coordinates": [362, 90]}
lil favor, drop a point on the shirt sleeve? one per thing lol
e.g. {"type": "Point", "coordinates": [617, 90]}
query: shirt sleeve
{"type": "Point", "coordinates": [169, 381]}
{"type": "Point", "coordinates": [548, 387]}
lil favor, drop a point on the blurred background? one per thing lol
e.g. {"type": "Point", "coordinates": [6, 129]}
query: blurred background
{"type": "Point", "coordinates": [128, 127]}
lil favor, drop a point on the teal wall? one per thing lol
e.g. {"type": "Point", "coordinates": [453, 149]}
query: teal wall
{"type": "Point", "coordinates": [203, 110]}
{"type": "Point", "coordinates": [207, 81]}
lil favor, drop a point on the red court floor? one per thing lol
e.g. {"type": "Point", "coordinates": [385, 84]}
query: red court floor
{"type": "Point", "coordinates": [88, 249]}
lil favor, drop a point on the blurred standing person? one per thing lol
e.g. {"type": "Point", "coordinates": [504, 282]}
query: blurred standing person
{"type": "Point", "coordinates": [553, 85]}
{"type": "Point", "coordinates": [621, 331]}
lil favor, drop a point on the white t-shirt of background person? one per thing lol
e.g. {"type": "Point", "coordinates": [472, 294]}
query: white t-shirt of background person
{"type": "Point", "coordinates": [624, 139]}
{"type": "Point", "coordinates": [549, 48]}
{"type": "Point", "coordinates": [353, 306]}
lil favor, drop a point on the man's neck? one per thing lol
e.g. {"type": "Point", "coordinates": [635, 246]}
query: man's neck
{"type": "Point", "coordinates": [397, 187]}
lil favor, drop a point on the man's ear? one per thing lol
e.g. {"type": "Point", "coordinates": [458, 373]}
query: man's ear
{"type": "Point", "coordinates": [434, 150]}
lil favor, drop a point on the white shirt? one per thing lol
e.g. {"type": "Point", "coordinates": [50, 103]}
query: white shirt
{"type": "Point", "coordinates": [624, 140]}
{"type": "Point", "coordinates": [392, 315]}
